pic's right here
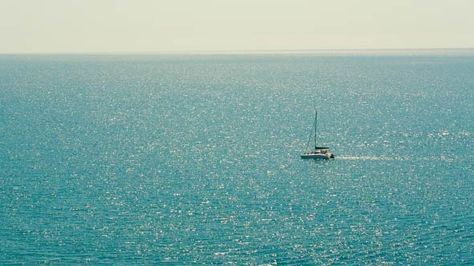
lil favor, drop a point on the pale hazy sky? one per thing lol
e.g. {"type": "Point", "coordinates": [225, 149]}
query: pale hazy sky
{"type": "Point", "coordinates": [147, 26]}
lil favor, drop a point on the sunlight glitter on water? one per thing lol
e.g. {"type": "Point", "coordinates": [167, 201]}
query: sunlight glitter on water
{"type": "Point", "coordinates": [196, 160]}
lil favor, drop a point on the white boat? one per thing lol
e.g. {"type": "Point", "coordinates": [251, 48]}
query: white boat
{"type": "Point", "coordinates": [318, 152]}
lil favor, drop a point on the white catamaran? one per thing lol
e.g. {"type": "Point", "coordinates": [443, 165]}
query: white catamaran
{"type": "Point", "coordinates": [317, 152]}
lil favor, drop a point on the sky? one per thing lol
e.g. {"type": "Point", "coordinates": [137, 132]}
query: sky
{"type": "Point", "coordinates": [161, 26]}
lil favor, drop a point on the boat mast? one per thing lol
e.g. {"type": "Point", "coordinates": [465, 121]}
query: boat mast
{"type": "Point", "coordinates": [315, 126]}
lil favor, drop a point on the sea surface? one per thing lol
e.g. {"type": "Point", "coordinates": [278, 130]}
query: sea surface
{"type": "Point", "coordinates": [195, 159]}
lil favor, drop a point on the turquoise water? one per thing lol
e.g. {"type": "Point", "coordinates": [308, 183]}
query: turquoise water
{"type": "Point", "coordinates": [195, 159]}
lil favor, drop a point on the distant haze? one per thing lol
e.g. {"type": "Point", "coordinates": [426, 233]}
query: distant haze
{"type": "Point", "coordinates": [156, 26]}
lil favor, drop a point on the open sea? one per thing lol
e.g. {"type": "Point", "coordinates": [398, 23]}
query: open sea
{"type": "Point", "coordinates": [195, 159]}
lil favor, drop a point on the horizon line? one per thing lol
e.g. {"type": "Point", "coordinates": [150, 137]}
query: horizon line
{"type": "Point", "coordinates": [259, 51]}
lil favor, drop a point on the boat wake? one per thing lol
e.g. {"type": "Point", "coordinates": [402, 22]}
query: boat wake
{"type": "Point", "coordinates": [370, 158]}
{"type": "Point", "coordinates": [388, 158]}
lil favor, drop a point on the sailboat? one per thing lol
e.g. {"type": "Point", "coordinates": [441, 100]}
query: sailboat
{"type": "Point", "coordinates": [318, 152]}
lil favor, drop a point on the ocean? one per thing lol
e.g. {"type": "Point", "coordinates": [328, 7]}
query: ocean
{"type": "Point", "coordinates": [195, 159]}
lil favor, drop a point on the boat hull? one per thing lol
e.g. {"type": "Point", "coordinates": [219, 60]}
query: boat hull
{"type": "Point", "coordinates": [317, 156]}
